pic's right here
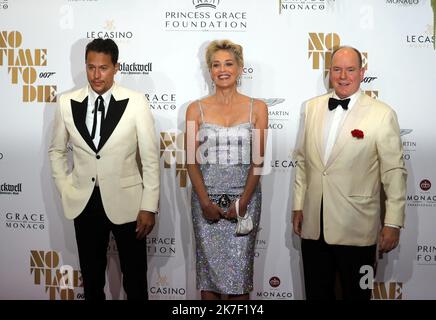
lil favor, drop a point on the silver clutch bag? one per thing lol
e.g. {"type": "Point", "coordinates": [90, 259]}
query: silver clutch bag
{"type": "Point", "coordinates": [244, 224]}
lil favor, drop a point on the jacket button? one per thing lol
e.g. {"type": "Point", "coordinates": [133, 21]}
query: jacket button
{"type": "Point", "coordinates": [93, 179]}
{"type": "Point", "coordinates": [98, 156]}
{"type": "Point", "coordinates": [324, 173]}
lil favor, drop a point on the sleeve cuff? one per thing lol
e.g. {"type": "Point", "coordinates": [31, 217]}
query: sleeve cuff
{"type": "Point", "coordinates": [392, 225]}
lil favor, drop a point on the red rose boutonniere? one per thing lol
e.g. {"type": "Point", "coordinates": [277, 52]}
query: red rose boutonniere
{"type": "Point", "coordinates": [356, 133]}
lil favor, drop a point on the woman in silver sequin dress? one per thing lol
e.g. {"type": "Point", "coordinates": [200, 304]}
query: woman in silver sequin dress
{"type": "Point", "coordinates": [225, 135]}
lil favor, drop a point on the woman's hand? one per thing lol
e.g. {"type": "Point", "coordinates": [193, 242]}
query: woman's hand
{"type": "Point", "coordinates": [231, 213]}
{"type": "Point", "coordinates": [212, 212]}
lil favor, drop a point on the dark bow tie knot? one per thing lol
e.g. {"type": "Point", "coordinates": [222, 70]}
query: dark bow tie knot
{"type": "Point", "coordinates": [334, 103]}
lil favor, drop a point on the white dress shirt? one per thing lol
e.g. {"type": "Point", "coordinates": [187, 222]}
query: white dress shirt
{"type": "Point", "coordinates": [333, 123]}
{"type": "Point", "coordinates": [92, 96]}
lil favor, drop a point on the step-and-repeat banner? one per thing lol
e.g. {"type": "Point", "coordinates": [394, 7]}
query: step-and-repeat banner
{"type": "Point", "coordinates": [287, 45]}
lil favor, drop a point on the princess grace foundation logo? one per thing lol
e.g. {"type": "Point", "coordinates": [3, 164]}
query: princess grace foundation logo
{"type": "Point", "coordinates": [205, 15]}
{"type": "Point", "coordinates": [426, 254]}
{"type": "Point", "coordinates": [161, 247]}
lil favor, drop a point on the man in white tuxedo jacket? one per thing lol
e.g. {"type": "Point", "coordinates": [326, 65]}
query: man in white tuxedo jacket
{"type": "Point", "coordinates": [349, 149]}
{"type": "Point", "coordinates": [109, 127]}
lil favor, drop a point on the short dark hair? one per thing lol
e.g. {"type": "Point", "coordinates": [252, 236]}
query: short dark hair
{"type": "Point", "coordinates": [107, 46]}
{"type": "Point", "coordinates": [359, 55]}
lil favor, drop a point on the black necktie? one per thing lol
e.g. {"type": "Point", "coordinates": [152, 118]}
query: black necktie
{"type": "Point", "coordinates": [99, 105]}
{"type": "Point", "coordinates": [333, 103]}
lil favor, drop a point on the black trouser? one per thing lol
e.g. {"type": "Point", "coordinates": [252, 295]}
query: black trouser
{"type": "Point", "coordinates": [321, 262]}
{"type": "Point", "coordinates": [92, 234]}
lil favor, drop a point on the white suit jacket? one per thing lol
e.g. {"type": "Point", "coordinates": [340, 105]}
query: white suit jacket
{"type": "Point", "coordinates": [350, 182]}
{"type": "Point", "coordinates": [128, 128]}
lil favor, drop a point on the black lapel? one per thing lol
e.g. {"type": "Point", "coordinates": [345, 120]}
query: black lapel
{"type": "Point", "coordinates": [78, 110]}
{"type": "Point", "coordinates": [113, 116]}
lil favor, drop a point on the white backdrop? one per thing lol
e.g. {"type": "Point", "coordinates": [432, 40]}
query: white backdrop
{"type": "Point", "coordinates": [286, 48]}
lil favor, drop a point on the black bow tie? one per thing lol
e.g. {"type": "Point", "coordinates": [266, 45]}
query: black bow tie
{"type": "Point", "coordinates": [334, 103]}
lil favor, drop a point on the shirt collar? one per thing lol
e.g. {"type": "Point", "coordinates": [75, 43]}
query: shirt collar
{"type": "Point", "coordinates": [353, 98]}
{"type": "Point", "coordinates": [94, 95]}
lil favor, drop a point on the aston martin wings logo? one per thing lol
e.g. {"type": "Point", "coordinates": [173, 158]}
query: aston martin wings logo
{"type": "Point", "coordinates": [270, 102]}
{"type": "Point", "coordinates": [403, 132]}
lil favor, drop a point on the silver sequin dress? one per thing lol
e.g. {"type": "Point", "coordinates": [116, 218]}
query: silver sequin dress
{"type": "Point", "coordinates": [225, 261]}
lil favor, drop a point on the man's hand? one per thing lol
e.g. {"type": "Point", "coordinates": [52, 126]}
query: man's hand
{"type": "Point", "coordinates": [389, 239]}
{"type": "Point", "coordinates": [144, 223]}
{"type": "Point", "coordinates": [297, 221]}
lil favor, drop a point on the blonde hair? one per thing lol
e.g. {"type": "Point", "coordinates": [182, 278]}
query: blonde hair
{"type": "Point", "coordinates": [227, 45]}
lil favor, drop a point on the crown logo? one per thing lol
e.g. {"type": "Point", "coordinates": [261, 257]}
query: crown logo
{"type": "Point", "coordinates": [205, 3]}
{"type": "Point", "coordinates": [109, 25]}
